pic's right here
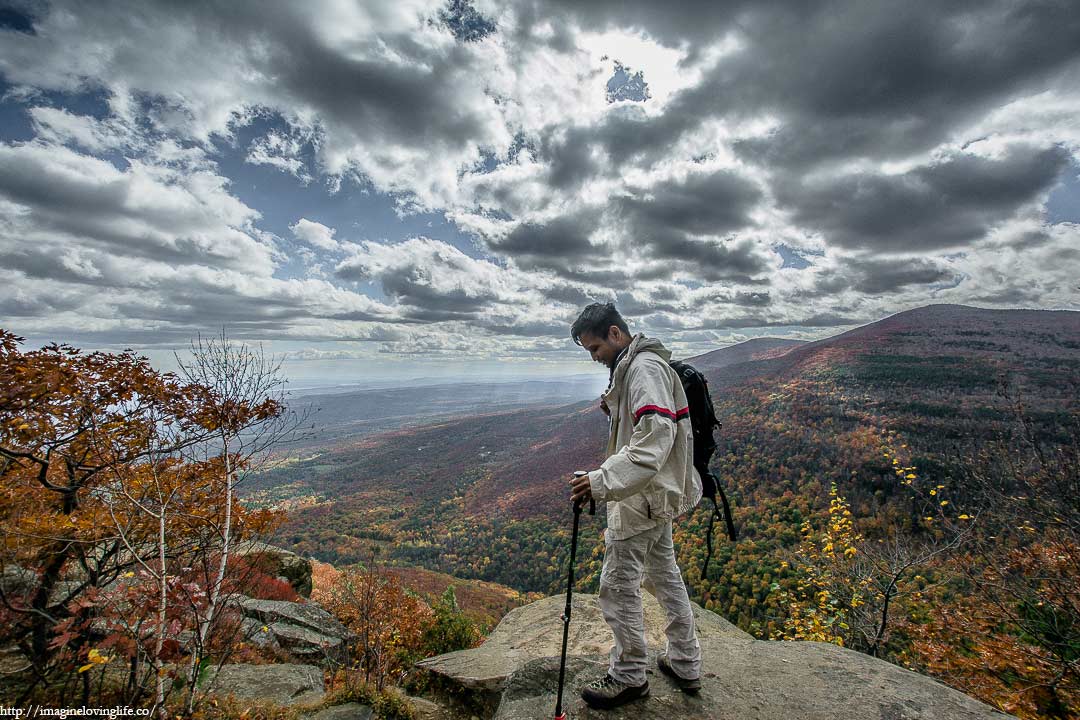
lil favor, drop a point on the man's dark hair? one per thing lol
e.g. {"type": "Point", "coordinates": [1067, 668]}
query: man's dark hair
{"type": "Point", "coordinates": [595, 320]}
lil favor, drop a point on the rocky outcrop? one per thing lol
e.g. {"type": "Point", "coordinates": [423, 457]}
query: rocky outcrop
{"type": "Point", "coordinates": [753, 679]}
{"type": "Point", "coordinates": [278, 562]}
{"type": "Point", "coordinates": [307, 631]}
{"type": "Point", "coordinates": [515, 674]}
{"type": "Point", "coordinates": [535, 631]}
{"type": "Point", "coordinates": [283, 684]}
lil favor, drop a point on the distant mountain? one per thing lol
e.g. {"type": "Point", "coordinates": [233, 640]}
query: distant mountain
{"type": "Point", "coordinates": [1023, 341]}
{"type": "Point", "coordinates": [350, 414]}
{"type": "Point", "coordinates": [753, 349]}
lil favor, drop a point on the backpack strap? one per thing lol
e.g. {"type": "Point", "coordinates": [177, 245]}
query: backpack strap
{"type": "Point", "coordinates": [713, 517]}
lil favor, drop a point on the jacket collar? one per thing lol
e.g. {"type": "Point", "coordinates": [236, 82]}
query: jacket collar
{"type": "Point", "coordinates": [639, 344]}
{"type": "Point", "coordinates": [618, 359]}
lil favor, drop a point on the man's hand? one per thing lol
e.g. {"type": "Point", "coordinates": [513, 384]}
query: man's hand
{"type": "Point", "coordinates": [604, 407]}
{"type": "Point", "coordinates": [580, 490]}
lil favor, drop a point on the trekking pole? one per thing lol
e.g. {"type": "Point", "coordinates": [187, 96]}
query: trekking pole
{"type": "Point", "coordinates": [559, 714]}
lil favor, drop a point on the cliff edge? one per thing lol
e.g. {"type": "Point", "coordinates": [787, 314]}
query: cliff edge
{"type": "Point", "coordinates": [514, 675]}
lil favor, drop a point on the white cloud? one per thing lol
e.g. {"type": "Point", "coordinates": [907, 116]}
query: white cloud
{"type": "Point", "coordinates": [315, 234]}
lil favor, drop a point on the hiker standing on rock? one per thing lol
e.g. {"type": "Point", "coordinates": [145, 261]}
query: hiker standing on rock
{"type": "Point", "coordinates": [647, 480]}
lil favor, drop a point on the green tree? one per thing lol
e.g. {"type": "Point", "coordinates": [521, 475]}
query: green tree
{"type": "Point", "coordinates": [451, 629]}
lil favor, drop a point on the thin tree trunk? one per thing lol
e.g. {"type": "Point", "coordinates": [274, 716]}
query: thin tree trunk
{"type": "Point", "coordinates": [159, 696]}
{"type": "Point", "coordinates": [215, 587]}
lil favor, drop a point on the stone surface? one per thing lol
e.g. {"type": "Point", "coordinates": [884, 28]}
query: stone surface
{"type": "Point", "coordinates": [514, 675]}
{"type": "Point", "coordinates": [535, 631]}
{"type": "Point", "coordinates": [752, 679]}
{"type": "Point", "coordinates": [307, 631]}
{"type": "Point", "coordinates": [308, 615]}
{"type": "Point", "coordinates": [17, 581]}
{"type": "Point", "coordinates": [253, 633]}
{"type": "Point", "coordinates": [426, 710]}
{"type": "Point", "coordinates": [280, 562]}
{"type": "Point", "coordinates": [62, 590]}
{"type": "Point", "coordinates": [284, 684]}
{"type": "Point", "coordinates": [307, 644]}
{"type": "Point", "coordinates": [347, 711]}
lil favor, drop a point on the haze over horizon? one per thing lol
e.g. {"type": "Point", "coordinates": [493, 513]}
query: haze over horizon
{"type": "Point", "coordinates": [421, 189]}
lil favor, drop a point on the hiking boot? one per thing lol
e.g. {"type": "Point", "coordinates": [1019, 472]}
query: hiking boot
{"type": "Point", "coordinates": [607, 693]}
{"type": "Point", "coordinates": [690, 687]}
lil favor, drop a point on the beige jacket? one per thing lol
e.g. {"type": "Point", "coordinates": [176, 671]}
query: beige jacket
{"type": "Point", "coordinates": [649, 473]}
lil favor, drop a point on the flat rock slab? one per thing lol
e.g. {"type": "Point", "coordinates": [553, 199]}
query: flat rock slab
{"type": "Point", "coordinates": [535, 631]}
{"type": "Point", "coordinates": [284, 684]}
{"type": "Point", "coordinates": [308, 615]}
{"type": "Point", "coordinates": [752, 680]}
{"type": "Point", "coordinates": [347, 711]}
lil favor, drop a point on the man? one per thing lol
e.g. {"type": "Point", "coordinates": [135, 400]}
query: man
{"type": "Point", "coordinates": [647, 480]}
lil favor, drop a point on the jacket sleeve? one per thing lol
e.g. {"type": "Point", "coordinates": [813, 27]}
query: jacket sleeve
{"type": "Point", "coordinates": [629, 471]}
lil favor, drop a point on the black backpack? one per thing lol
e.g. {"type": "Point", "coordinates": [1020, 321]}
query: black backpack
{"type": "Point", "coordinates": [702, 422]}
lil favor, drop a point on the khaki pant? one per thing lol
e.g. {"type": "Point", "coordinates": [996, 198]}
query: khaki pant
{"type": "Point", "coordinates": [649, 555]}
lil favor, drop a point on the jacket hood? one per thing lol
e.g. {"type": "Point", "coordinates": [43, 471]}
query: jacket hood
{"type": "Point", "coordinates": [639, 344]}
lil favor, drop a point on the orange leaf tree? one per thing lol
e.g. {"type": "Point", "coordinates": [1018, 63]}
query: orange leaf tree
{"type": "Point", "coordinates": [116, 489]}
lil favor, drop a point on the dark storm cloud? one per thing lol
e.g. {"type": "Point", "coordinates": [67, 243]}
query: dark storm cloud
{"type": "Point", "coordinates": [895, 78]}
{"type": "Point", "coordinates": [413, 287]}
{"type": "Point", "coordinates": [701, 204]}
{"type": "Point", "coordinates": [844, 77]}
{"type": "Point", "coordinates": [732, 260]}
{"type": "Point", "coordinates": [877, 277]}
{"type": "Point", "coordinates": [561, 245]}
{"type": "Point", "coordinates": [571, 155]}
{"type": "Point", "coordinates": [639, 304]}
{"type": "Point", "coordinates": [752, 299]}
{"type": "Point", "coordinates": [677, 220]}
{"type": "Point", "coordinates": [946, 204]}
{"type": "Point", "coordinates": [568, 294]}
{"type": "Point", "coordinates": [528, 328]}
{"type": "Point", "coordinates": [413, 101]}
{"type": "Point", "coordinates": [624, 135]}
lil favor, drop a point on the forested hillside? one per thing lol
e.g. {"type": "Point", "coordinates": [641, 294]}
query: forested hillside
{"type": "Point", "coordinates": [884, 423]}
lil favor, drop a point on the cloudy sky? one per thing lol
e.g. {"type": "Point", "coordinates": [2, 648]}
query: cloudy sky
{"type": "Point", "coordinates": [414, 188]}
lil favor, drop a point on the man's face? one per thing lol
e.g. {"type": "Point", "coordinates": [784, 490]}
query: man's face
{"type": "Point", "coordinates": [603, 349]}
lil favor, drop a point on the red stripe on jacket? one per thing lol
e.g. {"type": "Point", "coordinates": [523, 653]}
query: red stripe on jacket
{"type": "Point", "coordinates": [650, 409]}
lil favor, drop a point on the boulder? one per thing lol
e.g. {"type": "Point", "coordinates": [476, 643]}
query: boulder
{"type": "Point", "coordinates": [278, 562]}
{"type": "Point", "coordinates": [283, 684]}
